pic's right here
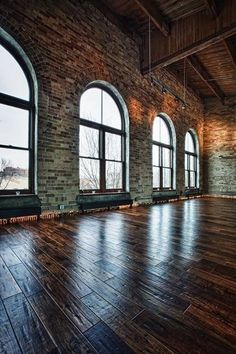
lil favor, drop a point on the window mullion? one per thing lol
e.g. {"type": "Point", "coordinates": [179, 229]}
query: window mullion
{"type": "Point", "coordinates": [189, 170]}
{"type": "Point", "coordinates": [101, 106]}
{"type": "Point", "coordinates": [13, 147]}
{"type": "Point", "coordinates": [102, 161]}
{"type": "Point", "coordinates": [161, 167]}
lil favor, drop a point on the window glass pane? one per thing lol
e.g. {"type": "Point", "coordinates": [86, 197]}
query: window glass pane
{"type": "Point", "coordinates": [14, 169]}
{"type": "Point", "coordinates": [186, 178]}
{"type": "Point", "coordinates": [166, 178]}
{"type": "Point", "coordinates": [113, 147]}
{"type": "Point", "coordinates": [90, 105]}
{"type": "Point", "coordinates": [89, 142]}
{"type": "Point", "coordinates": [111, 113]}
{"type": "Point", "coordinates": [155, 155]}
{"type": "Point", "coordinates": [13, 81]}
{"type": "Point", "coordinates": [192, 164]}
{"type": "Point", "coordinates": [156, 131]}
{"type": "Point", "coordinates": [156, 177]}
{"type": "Point", "coordinates": [161, 131]}
{"type": "Point", "coordinates": [186, 161]}
{"type": "Point", "coordinates": [192, 179]}
{"type": "Point", "coordinates": [113, 175]}
{"type": "Point", "coordinates": [189, 143]}
{"type": "Point", "coordinates": [14, 124]}
{"type": "Point", "coordinates": [89, 174]}
{"type": "Point", "coordinates": [166, 157]}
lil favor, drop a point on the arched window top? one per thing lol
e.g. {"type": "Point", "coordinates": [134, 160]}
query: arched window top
{"type": "Point", "coordinates": [161, 132]}
{"type": "Point", "coordinates": [97, 105]}
{"type": "Point", "coordinates": [189, 143]}
{"type": "Point", "coordinates": [13, 80]}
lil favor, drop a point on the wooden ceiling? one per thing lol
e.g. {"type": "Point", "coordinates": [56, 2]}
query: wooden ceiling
{"type": "Point", "coordinates": [198, 35]}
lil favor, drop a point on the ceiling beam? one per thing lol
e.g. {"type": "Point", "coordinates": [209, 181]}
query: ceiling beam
{"type": "Point", "coordinates": [231, 50]}
{"type": "Point", "coordinates": [211, 6]}
{"type": "Point", "coordinates": [151, 10]}
{"type": "Point", "coordinates": [202, 72]}
{"type": "Point", "coordinates": [188, 36]}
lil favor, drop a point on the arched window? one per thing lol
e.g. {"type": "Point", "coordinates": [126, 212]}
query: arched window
{"type": "Point", "coordinates": [102, 141]}
{"type": "Point", "coordinates": [162, 154]}
{"type": "Point", "coordinates": [16, 123]}
{"type": "Point", "coordinates": [190, 161]}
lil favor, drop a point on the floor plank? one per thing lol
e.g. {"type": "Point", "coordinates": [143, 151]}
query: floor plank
{"type": "Point", "coordinates": [31, 334]}
{"type": "Point", "coordinates": [75, 310]}
{"type": "Point", "coordinates": [8, 285]}
{"type": "Point", "coordinates": [68, 338]}
{"type": "Point", "coordinates": [186, 339]}
{"type": "Point", "coordinates": [8, 342]}
{"type": "Point", "coordinates": [106, 341]}
{"type": "Point", "coordinates": [9, 257]}
{"type": "Point", "coordinates": [28, 284]}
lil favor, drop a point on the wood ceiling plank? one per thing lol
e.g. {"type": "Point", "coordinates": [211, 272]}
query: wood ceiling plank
{"type": "Point", "coordinates": [151, 10]}
{"type": "Point", "coordinates": [205, 76]}
{"type": "Point", "coordinates": [211, 6]}
{"type": "Point", "coordinates": [231, 49]}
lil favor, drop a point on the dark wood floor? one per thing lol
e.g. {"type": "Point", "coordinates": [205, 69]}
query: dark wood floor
{"type": "Point", "coordinates": [159, 279]}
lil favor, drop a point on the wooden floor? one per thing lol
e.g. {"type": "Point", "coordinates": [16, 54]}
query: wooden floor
{"type": "Point", "coordinates": [159, 279]}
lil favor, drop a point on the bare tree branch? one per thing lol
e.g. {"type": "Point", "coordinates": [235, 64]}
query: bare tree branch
{"type": "Point", "coordinates": [90, 167]}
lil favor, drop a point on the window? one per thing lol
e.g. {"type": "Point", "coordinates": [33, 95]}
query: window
{"type": "Point", "coordinates": [102, 142]}
{"type": "Point", "coordinates": [16, 123]}
{"type": "Point", "coordinates": [162, 155]}
{"type": "Point", "coordinates": [190, 161]}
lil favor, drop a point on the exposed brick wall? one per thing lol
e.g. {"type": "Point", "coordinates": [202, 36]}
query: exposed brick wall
{"type": "Point", "coordinates": [220, 147]}
{"type": "Point", "coordinates": [71, 44]}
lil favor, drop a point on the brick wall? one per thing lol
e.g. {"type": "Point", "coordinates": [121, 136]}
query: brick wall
{"type": "Point", "coordinates": [220, 147]}
{"type": "Point", "coordinates": [71, 44]}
